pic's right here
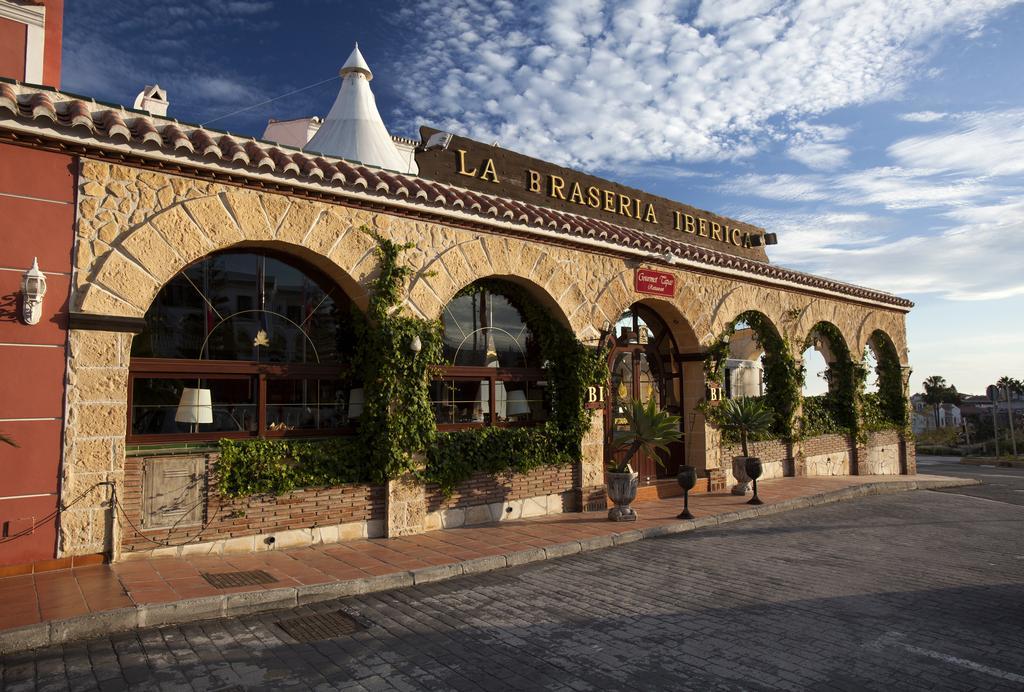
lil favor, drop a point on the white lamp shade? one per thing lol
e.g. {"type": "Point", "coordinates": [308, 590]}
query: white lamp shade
{"type": "Point", "coordinates": [194, 407]}
{"type": "Point", "coordinates": [517, 404]}
{"type": "Point", "coordinates": [355, 403]}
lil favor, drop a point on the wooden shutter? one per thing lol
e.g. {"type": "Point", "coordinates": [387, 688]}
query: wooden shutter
{"type": "Point", "coordinates": [173, 491]}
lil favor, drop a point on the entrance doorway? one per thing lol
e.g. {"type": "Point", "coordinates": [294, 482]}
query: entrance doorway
{"type": "Point", "coordinates": [644, 362]}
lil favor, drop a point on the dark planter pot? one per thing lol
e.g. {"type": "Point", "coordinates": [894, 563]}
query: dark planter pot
{"type": "Point", "coordinates": [753, 467]}
{"type": "Point", "coordinates": [687, 479]}
{"type": "Point", "coordinates": [622, 491]}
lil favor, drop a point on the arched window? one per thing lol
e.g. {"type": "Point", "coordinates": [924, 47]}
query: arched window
{"type": "Point", "coordinates": [493, 356]}
{"type": "Point", "coordinates": [242, 344]}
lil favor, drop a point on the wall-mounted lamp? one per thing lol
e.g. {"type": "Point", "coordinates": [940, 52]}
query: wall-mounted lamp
{"type": "Point", "coordinates": [438, 140]}
{"type": "Point", "coordinates": [670, 258]}
{"type": "Point", "coordinates": [33, 288]}
{"type": "Point", "coordinates": [416, 345]}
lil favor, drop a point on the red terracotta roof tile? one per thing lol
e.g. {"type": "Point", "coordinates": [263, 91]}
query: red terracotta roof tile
{"type": "Point", "coordinates": [146, 132]}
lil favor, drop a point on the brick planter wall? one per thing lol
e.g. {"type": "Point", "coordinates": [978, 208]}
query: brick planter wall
{"type": "Point", "coordinates": [257, 515]}
{"type": "Point", "coordinates": [483, 489]}
{"type": "Point", "coordinates": [827, 455]}
{"type": "Point", "coordinates": [881, 454]}
{"type": "Point", "coordinates": [774, 455]}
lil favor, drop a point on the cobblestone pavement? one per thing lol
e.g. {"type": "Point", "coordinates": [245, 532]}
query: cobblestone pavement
{"type": "Point", "coordinates": [920, 590]}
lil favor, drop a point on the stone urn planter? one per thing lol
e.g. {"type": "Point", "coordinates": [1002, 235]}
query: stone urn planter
{"type": "Point", "coordinates": [739, 470]}
{"type": "Point", "coordinates": [622, 491]}
{"type": "Point", "coordinates": [649, 430]}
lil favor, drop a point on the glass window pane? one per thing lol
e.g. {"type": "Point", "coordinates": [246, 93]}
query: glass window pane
{"type": "Point", "coordinates": [522, 401]}
{"type": "Point", "coordinates": [306, 404]}
{"type": "Point", "coordinates": [460, 401]}
{"type": "Point", "coordinates": [246, 306]}
{"type": "Point", "coordinates": [164, 406]}
{"type": "Point", "coordinates": [485, 329]}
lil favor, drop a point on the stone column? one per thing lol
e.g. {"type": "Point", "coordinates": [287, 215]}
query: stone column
{"type": "Point", "coordinates": [908, 453]}
{"type": "Point", "coordinates": [406, 507]}
{"type": "Point", "coordinates": [591, 495]}
{"type": "Point", "coordinates": [97, 415]}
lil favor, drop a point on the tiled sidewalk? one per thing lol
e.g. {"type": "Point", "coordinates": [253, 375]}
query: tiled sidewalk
{"type": "Point", "coordinates": [71, 594]}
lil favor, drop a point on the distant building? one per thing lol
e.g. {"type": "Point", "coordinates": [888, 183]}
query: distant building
{"type": "Point", "coordinates": [925, 414]}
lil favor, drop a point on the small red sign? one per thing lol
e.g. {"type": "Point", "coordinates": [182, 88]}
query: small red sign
{"type": "Point", "coordinates": [654, 283]}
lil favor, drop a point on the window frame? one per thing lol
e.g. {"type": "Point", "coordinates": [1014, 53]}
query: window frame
{"type": "Point", "coordinates": [493, 376]}
{"type": "Point", "coordinates": [171, 368]}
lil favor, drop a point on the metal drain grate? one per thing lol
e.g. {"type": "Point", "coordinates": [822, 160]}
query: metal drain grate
{"type": "Point", "coordinates": [226, 580]}
{"type": "Point", "coordinates": [315, 628]}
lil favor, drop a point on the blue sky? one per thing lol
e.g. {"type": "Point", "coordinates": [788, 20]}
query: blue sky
{"type": "Point", "coordinates": [883, 141]}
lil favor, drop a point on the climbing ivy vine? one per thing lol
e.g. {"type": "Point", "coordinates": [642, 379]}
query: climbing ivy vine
{"type": "Point", "coordinates": [783, 377]}
{"type": "Point", "coordinates": [397, 422]}
{"type": "Point", "coordinates": [570, 368]}
{"type": "Point", "coordinates": [889, 408]}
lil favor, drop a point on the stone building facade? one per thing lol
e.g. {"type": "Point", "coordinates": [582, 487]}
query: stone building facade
{"type": "Point", "coordinates": [154, 196]}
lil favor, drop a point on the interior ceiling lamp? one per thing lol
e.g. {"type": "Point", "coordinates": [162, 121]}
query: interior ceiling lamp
{"type": "Point", "coordinates": [33, 288]}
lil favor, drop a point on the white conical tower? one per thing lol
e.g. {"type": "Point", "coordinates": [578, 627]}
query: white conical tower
{"type": "Point", "coordinates": [354, 129]}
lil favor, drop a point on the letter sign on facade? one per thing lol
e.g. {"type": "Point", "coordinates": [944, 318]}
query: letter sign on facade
{"type": "Point", "coordinates": [655, 283]}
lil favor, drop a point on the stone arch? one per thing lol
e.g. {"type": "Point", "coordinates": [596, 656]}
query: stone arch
{"type": "Point", "coordinates": [540, 271]}
{"type": "Point", "coordinates": [892, 399]}
{"type": "Point", "coordinates": [143, 258]}
{"type": "Point", "coordinates": [763, 301]}
{"type": "Point", "coordinates": [835, 409]}
{"type": "Point", "coordinates": [890, 325]}
{"type": "Point", "coordinates": [827, 338]}
{"type": "Point", "coordinates": [818, 311]}
{"type": "Point", "coordinates": [685, 313]}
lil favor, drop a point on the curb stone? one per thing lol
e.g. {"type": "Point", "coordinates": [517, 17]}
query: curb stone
{"type": "Point", "coordinates": [210, 607]}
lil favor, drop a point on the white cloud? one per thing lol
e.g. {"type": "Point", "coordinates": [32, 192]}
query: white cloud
{"type": "Point", "coordinates": [782, 187]}
{"type": "Point", "coordinates": [891, 187]}
{"type": "Point", "coordinates": [983, 144]}
{"type": "Point", "coordinates": [816, 146]}
{"type": "Point", "coordinates": [598, 82]}
{"type": "Point", "coordinates": [819, 155]}
{"type": "Point", "coordinates": [971, 261]}
{"type": "Point", "coordinates": [922, 116]}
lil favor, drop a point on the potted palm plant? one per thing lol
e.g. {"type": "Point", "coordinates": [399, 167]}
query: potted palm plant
{"type": "Point", "coordinates": [750, 417]}
{"type": "Point", "coordinates": [649, 430]}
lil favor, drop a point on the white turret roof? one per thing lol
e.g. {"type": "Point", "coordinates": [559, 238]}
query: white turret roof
{"type": "Point", "coordinates": [353, 129]}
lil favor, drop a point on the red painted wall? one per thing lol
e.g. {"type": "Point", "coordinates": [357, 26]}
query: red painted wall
{"type": "Point", "coordinates": [12, 49]}
{"type": "Point", "coordinates": [13, 36]}
{"type": "Point", "coordinates": [37, 194]}
{"type": "Point", "coordinates": [54, 35]}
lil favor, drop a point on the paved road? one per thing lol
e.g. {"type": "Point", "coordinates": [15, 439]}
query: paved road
{"type": "Point", "coordinates": [997, 483]}
{"type": "Point", "coordinates": [919, 590]}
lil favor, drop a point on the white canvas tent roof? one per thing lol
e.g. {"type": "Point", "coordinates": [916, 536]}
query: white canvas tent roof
{"type": "Point", "coordinates": [353, 129]}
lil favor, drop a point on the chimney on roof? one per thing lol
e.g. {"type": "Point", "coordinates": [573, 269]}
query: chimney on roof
{"type": "Point", "coordinates": [152, 99]}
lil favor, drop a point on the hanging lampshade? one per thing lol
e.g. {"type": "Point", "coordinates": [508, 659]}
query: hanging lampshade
{"type": "Point", "coordinates": [517, 403]}
{"type": "Point", "coordinates": [194, 407]}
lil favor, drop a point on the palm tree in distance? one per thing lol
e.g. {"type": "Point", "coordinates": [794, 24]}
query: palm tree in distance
{"type": "Point", "coordinates": [935, 392]}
